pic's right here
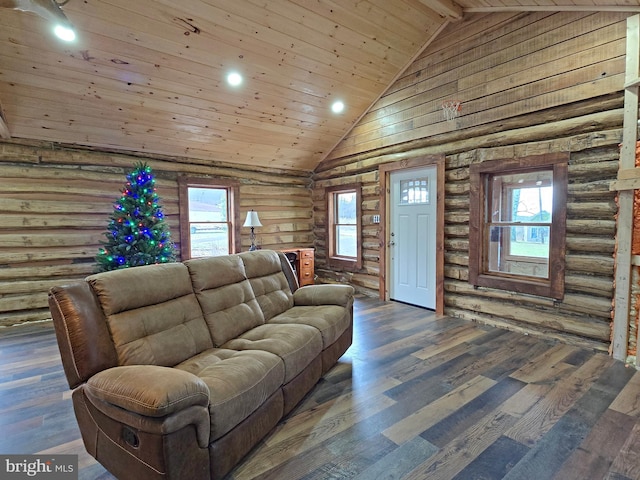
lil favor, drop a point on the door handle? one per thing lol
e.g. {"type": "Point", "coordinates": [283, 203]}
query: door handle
{"type": "Point", "coordinates": [392, 243]}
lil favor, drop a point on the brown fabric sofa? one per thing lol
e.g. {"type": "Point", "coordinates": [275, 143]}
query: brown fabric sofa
{"type": "Point", "coordinates": [179, 369]}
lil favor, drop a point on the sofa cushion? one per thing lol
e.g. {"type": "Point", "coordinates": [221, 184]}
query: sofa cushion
{"type": "Point", "coordinates": [296, 345]}
{"type": "Point", "coordinates": [268, 281]}
{"type": "Point", "coordinates": [330, 320]}
{"type": "Point", "coordinates": [225, 296]}
{"type": "Point", "coordinates": [239, 383]}
{"type": "Point", "coordinates": [152, 314]}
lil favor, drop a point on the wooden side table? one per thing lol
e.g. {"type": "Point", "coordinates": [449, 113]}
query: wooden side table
{"type": "Point", "coordinates": [304, 265]}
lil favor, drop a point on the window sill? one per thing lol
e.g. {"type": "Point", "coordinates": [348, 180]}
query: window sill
{"type": "Point", "coordinates": [343, 263]}
{"type": "Point", "coordinates": [531, 286]}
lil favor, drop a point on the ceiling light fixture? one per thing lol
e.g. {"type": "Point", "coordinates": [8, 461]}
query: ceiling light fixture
{"type": "Point", "coordinates": [234, 79]}
{"type": "Point", "coordinates": [64, 33]}
{"type": "Point", "coordinates": [47, 9]}
{"type": "Point", "coordinates": [337, 107]}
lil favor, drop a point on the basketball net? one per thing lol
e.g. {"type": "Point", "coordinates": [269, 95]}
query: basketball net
{"type": "Point", "coordinates": [450, 109]}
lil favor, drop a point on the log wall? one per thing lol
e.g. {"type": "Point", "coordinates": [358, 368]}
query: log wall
{"type": "Point", "coordinates": [55, 203]}
{"type": "Point", "coordinates": [528, 84]}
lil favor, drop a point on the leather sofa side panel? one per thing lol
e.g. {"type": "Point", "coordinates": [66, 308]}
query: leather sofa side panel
{"type": "Point", "coordinates": [331, 354]}
{"type": "Point", "coordinates": [81, 330]}
{"type": "Point", "coordinates": [227, 451]}
{"type": "Point", "coordinates": [130, 453]}
{"type": "Point", "coordinates": [303, 383]}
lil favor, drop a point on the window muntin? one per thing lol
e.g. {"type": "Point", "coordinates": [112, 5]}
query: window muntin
{"type": "Point", "coordinates": [344, 226]}
{"type": "Point", "coordinates": [517, 224]}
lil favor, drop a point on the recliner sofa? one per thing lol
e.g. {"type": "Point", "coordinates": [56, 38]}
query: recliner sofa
{"type": "Point", "coordinates": [180, 369]}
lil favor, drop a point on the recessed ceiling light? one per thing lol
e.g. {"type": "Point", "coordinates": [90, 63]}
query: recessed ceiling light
{"type": "Point", "coordinates": [337, 107]}
{"type": "Point", "coordinates": [234, 79]}
{"type": "Point", "coordinates": [64, 33]}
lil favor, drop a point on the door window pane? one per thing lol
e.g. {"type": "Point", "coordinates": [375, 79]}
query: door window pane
{"type": "Point", "coordinates": [414, 191]}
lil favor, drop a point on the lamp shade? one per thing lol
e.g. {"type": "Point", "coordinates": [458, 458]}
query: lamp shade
{"type": "Point", "coordinates": [252, 219]}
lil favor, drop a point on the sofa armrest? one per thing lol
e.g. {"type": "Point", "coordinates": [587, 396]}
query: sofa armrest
{"type": "Point", "coordinates": [330, 294]}
{"type": "Point", "coordinates": [149, 390]}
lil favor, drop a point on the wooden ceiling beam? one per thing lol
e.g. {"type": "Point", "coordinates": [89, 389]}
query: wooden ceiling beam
{"type": "Point", "coordinates": [446, 8]}
{"type": "Point", "coordinates": [554, 8]}
{"type": "Point", "coordinates": [4, 128]}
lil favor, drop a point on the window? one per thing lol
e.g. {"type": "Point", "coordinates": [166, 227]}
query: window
{"type": "Point", "coordinates": [343, 217]}
{"type": "Point", "coordinates": [414, 192]}
{"type": "Point", "coordinates": [208, 218]}
{"type": "Point", "coordinates": [517, 224]}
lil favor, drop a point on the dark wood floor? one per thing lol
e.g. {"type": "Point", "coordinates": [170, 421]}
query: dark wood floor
{"type": "Point", "coordinates": [416, 397]}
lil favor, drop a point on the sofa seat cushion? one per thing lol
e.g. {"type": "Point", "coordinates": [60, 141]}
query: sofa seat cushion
{"type": "Point", "coordinates": [330, 320]}
{"type": "Point", "coordinates": [239, 382]}
{"type": "Point", "coordinates": [296, 345]}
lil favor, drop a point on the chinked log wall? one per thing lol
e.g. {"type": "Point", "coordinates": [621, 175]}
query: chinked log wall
{"type": "Point", "coordinates": [529, 84]}
{"type": "Point", "coordinates": [55, 203]}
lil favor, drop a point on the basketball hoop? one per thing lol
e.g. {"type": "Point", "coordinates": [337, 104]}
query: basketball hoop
{"type": "Point", "coordinates": [450, 109]}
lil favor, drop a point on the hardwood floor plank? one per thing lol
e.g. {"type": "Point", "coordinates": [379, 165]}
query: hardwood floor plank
{"type": "Point", "coordinates": [551, 451]}
{"type": "Point", "coordinates": [458, 454]}
{"type": "Point", "coordinates": [464, 401]}
{"type": "Point", "coordinates": [450, 341]}
{"type": "Point", "coordinates": [399, 462]}
{"type": "Point", "coordinates": [593, 459]}
{"type": "Point", "coordinates": [412, 425]}
{"type": "Point", "coordinates": [523, 349]}
{"type": "Point", "coordinates": [495, 461]}
{"type": "Point", "coordinates": [628, 401]}
{"type": "Point", "coordinates": [626, 462]}
{"type": "Point", "coordinates": [541, 418]}
{"type": "Point", "coordinates": [547, 366]}
{"type": "Point", "coordinates": [454, 426]}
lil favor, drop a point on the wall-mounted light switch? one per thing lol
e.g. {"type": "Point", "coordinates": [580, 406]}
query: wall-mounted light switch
{"type": "Point", "coordinates": [376, 219]}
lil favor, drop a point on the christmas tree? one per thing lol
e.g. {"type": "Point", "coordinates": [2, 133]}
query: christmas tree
{"type": "Point", "coordinates": [137, 232]}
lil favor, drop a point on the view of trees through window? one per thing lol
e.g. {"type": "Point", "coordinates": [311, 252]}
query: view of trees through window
{"type": "Point", "coordinates": [531, 205]}
{"type": "Point", "coordinates": [520, 226]}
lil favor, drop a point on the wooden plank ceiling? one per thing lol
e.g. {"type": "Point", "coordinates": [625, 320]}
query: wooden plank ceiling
{"type": "Point", "coordinates": [149, 75]}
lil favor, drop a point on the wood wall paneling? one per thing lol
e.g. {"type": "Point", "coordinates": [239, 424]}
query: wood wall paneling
{"type": "Point", "coordinates": [505, 69]}
{"type": "Point", "coordinates": [55, 204]}
{"type": "Point", "coordinates": [530, 84]}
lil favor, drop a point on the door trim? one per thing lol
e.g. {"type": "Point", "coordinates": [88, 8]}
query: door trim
{"type": "Point", "coordinates": [384, 175]}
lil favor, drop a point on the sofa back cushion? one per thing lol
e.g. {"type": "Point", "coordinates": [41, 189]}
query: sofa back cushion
{"type": "Point", "coordinates": [152, 314]}
{"type": "Point", "coordinates": [268, 282]}
{"type": "Point", "coordinates": [225, 296]}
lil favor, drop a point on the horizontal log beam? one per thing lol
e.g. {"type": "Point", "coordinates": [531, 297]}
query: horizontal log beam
{"type": "Point", "coordinates": [4, 127]}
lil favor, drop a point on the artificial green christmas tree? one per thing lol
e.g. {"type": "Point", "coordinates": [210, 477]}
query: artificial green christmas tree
{"type": "Point", "coordinates": [137, 232]}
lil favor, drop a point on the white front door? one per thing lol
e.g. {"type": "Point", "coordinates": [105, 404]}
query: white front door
{"type": "Point", "coordinates": [412, 237]}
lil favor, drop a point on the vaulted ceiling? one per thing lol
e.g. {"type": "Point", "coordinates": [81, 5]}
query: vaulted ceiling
{"type": "Point", "coordinates": [150, 75]}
